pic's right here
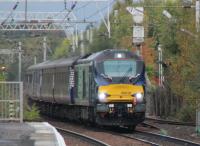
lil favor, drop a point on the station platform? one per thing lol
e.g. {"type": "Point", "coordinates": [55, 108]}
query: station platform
{"type": "Point", "coordinates": [29, 134]}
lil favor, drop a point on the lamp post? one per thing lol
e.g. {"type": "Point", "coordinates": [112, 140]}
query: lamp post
{"type": "Point", "coordinates": [20, 61]}
{"type": "Point", "coordinates": [160, 60]}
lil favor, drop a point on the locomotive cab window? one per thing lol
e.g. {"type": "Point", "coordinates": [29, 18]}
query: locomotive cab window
{"type": "Point", "coordinates": [119, 68]}
{"type": "Point", "coordinates": [119, 71]}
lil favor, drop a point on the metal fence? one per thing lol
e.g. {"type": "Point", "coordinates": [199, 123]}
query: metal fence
{"type": "Point", "coordinates": [198, 117]}
{"type": "Point", "coordinates": [11, 101]}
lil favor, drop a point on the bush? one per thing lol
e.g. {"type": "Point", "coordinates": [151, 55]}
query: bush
{"type": "Point", "coordinates": [31, 113]}
{"type": "Point", "coordinates": [149, 70]}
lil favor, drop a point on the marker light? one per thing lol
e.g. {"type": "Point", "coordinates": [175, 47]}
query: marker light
{"type": "Point", "coordinates": [111, 105]}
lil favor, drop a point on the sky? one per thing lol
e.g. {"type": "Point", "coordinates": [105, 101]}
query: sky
{"type": "Point", "coordinates": [82, 10]}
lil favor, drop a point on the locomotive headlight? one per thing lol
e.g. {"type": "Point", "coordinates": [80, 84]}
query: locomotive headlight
{"type": "Point", "coordinates": [102, 97]}
{"type": "Point", "coordinates": [139, 97]}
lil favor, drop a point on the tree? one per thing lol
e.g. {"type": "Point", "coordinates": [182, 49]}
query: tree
{"type": "Point", "coordinates": [62, 50]}
{"type": "Point", "coordinates": [181, 49]}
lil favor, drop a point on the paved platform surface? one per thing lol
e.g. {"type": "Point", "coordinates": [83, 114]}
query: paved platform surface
{"type": "Point", "coordinates": [28, 134]}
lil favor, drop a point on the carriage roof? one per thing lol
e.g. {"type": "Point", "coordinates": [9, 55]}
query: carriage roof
{"type": "Point", "coordinates": [54, 63]}
{"type": "Point", "coordinates": [86, 58]}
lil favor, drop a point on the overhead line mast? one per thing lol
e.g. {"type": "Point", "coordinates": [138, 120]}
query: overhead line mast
{"type": "Point", "coordinates": [27, 21]}
{"type": "Point", "coordinates": [11, 12]}
{"type": "Point", "coordinates": [26, 6]}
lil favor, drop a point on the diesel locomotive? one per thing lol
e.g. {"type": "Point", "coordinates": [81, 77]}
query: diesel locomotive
{"type": "Point", "coordinates": [106, 88]}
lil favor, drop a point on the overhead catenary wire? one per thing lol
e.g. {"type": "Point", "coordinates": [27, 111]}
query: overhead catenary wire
{"type": "Point", "coordinates": [65, 4]}
{"type": "Point", "coordinates": [71, 9]}
{"type": "Point", "coordinates": [83, 6]}
{"type": "Point", "coordinates": [65, 8]}
{"type": "Point", "coordinates": [153, 6]}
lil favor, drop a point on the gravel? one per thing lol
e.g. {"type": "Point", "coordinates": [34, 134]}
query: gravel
{"type": "Point", "coordinates": [71, 141]}
{"type": "Point", "coordinates": [179, 131]}
{"type": "Point", "coordinates": [97, 133]}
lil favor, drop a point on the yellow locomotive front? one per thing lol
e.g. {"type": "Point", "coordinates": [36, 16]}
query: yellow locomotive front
{"type": "Point", "coordinates": [120, 76]}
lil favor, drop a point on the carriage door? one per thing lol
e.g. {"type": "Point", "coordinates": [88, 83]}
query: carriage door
{"type": "Point", "coordinates": [71, 84]}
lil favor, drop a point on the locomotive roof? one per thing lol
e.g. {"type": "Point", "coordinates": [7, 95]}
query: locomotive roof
{"type": "Point", "coordinates": [87, 58]}
{"type": "Point", "coordinates": [105, 54]}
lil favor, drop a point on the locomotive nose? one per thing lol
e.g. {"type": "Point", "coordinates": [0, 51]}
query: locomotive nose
{"type": "Point", "coordinates": [119, 92]}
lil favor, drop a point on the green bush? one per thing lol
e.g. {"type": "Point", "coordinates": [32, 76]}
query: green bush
{"type": "Point", "coordinates": [31, 113]}
{"type": "Point", "coordinates": [149, 70]}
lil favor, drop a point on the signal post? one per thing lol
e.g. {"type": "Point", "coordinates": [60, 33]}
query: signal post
{"type": "Point", "coordinates": [138, 28]}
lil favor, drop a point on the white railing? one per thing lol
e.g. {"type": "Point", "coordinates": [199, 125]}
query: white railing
{"type": "Point", "coordinates": [11, 101]}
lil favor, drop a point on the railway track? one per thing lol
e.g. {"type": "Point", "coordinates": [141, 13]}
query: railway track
{"type": "Point", "coordinates": [160, 140]}
{"type": "Point", "coordinates": [147, 138]}
{"type": "Point", "coordinates": [139, 139]}
{"type": "Point", "coordinates": [112, 137]}
{"type": "Point", "coordinates": [146, 124]}
{"type": "Point", "coordinates": [154, 139]}
{"type": "Point", "coordinates": [85, 138]}
{"type": "Point", "coordinates": [161, 121]}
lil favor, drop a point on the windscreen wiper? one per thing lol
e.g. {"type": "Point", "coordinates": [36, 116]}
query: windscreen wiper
{"type": "Point", "coordinates": [106, 76]}
{"type": "Point", "coordinates": [133, 77]}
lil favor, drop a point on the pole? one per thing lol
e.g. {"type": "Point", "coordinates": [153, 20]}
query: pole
{"type": "Point", "coordinates": [82, 44]}
{"type": "Point", "coordinates": [141, 51]}
{"type": "Point", "coordinates": [161, 66]}
{"type": "Point", "coordinates": [160, 70]}
{"type": "Point", "coordinates": [20, 62]}
{"type": "Point", "coordinates": [138, 46]}
{"type": "Point", "coordinates": [91, 36]}
{"type": "Point", "coordinates": [106, 21]}
{"type": "Point", "coordinates": [44, 49]}
{"type": "Point", "coordinates": [25, 10]}
{"type": "Point", "coordinates": [197, 15]}
{"type": "Point", "coordinates": [35, 60]}
{"type": "Point", "coordinates": [73, 42]}
{"type": "Point", "coordinates": [65, 2]}
{"type": "Point", "coordinates": [76, 34]}
{"type": "Point", "coordinates": [21, 102]}
{"type": "Point", "coordinates": [109, 29]}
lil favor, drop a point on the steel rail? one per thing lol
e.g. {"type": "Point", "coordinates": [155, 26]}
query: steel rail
{"type": "Point", "coordinates": [130, 136]}
{"type": "Point", "coordinates": [83, 137]}
{"type": "Point", "coordinates": [161, 121]}
{"type": "Point", "coordinates": [140, 139]}
{"type": "Point", "coordinates": [158, 137]}
{"type": "Point", "coordinates": [145, 124]}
